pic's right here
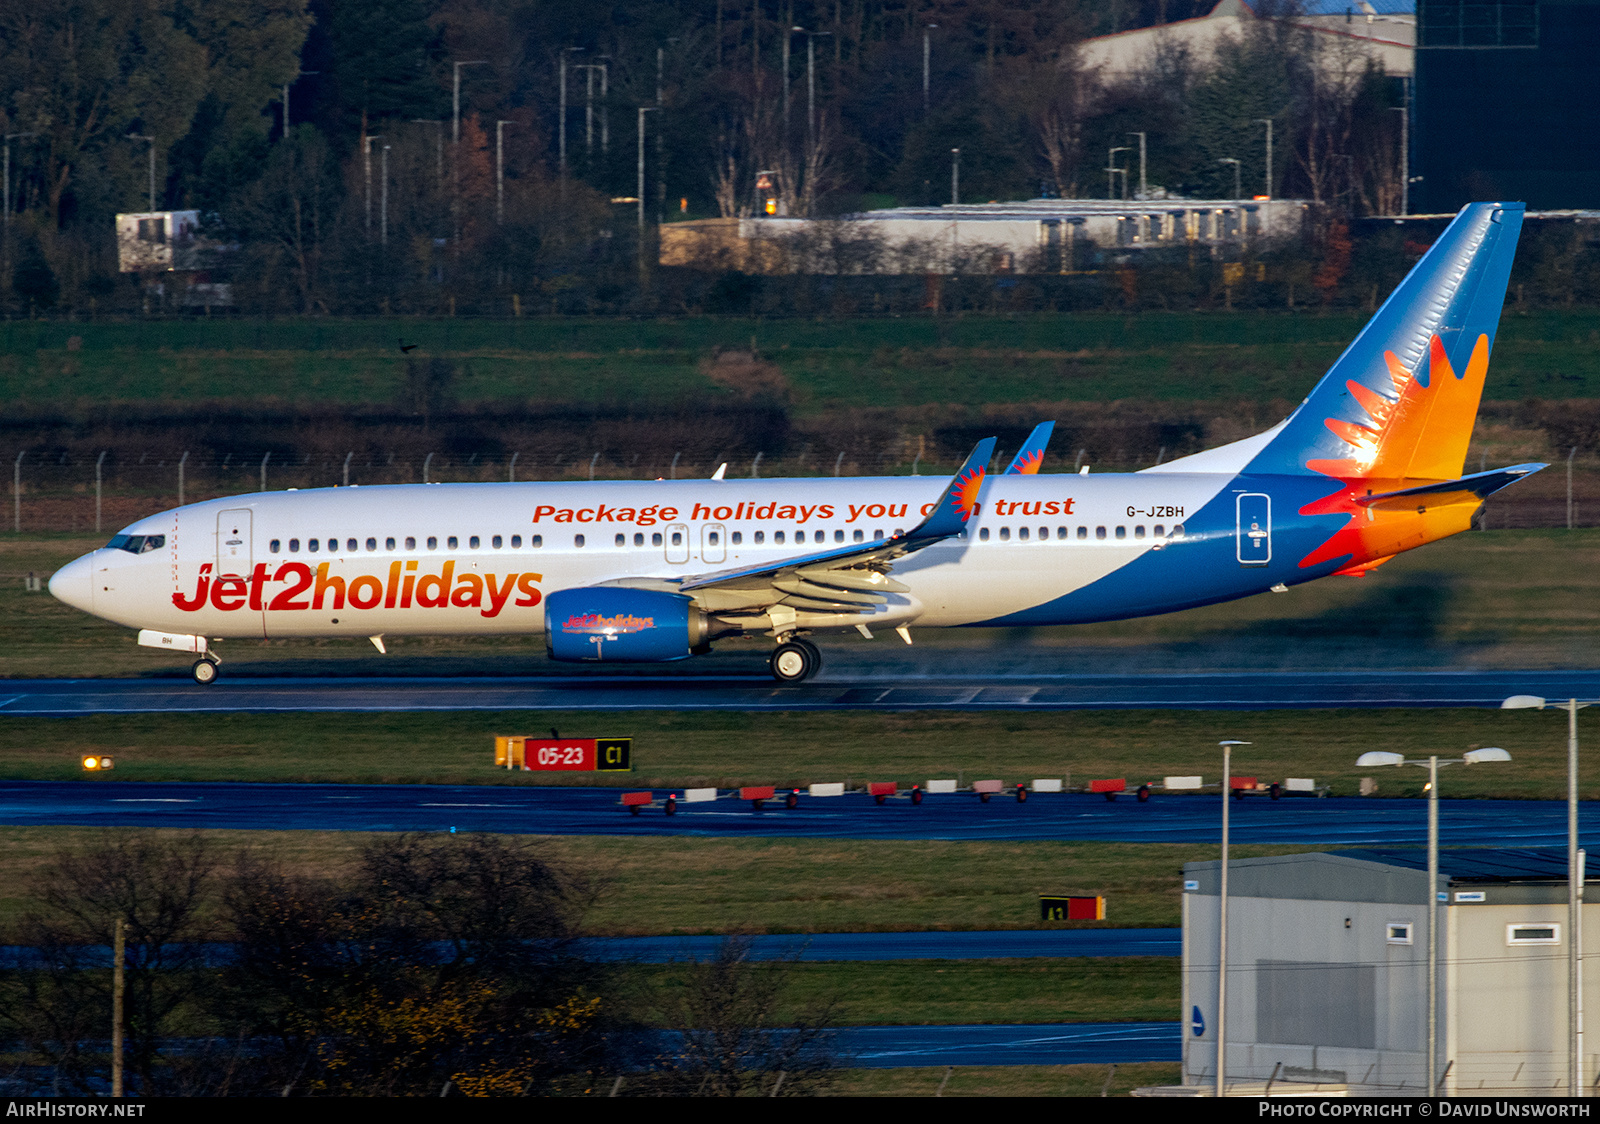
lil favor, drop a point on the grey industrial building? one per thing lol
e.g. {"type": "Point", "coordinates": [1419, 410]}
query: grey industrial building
{"type": "Point", "coordinates": [1327, 972]}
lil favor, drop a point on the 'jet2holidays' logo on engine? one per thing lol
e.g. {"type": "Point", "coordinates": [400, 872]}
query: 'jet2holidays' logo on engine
{"type": "Point", "coordinates": [610, 626]}
{"type": "Point", "coordinates": [304, 588]}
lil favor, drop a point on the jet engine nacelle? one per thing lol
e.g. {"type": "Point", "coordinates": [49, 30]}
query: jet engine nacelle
{"type": "Point", "coordinates": [616, 623]}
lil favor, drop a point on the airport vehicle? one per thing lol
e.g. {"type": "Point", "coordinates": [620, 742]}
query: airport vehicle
{"type": "Point", "coordinates": [1368, 466]}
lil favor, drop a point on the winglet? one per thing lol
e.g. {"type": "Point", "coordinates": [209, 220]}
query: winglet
{"type": "Point", "coordinates": [960, 497]}
{"type": "Point", "coordinates": [1031, 455]}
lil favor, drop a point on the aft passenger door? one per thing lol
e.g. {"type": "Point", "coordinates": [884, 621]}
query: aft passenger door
{"type": "Point", "coordinates": [1253, 531]}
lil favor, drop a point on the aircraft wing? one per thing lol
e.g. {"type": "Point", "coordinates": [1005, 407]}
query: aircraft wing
{"type": "Point", "coordinates": [845, 579]}
{"type": "Point", "coordinates": [1031, 455]}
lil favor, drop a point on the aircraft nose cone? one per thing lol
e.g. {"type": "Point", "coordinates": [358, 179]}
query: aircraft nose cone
{"type": "Point", "coordinates": [73, 584]}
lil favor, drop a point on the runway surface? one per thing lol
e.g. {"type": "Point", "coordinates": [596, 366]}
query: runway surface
{"type": "Point", "coordinates": [1350, 821]}
{"type": "Point", "coordinates": [888, 1047]}
{"type": "Point", "coordinates": [967, 945]}
{"type": "Point", "coordinates": [1258, 690]}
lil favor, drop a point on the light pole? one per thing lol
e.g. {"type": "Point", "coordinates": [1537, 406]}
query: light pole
{"type": "Point", "coordinates": [152, 140]}
{"type": "Point", "coordinates": [383, 209]}
{"type": "Point", "coordinates": [1574, 883]}
{"type": "Point", "coordinates": [1237, 187]}
{"type": "Point", "coordinates": [955, 176]}
{"type": "Point", "coordinates": [927, 51]}
{"type": "Point", "coordinates": [455, 102]}
{"type": "Point", "coordinates": [1143, 187]}
{"type": "Point", "coordinates": [500, 171]}
{"type": "Point", "coordinates": [1473, 757]}
{"type": "Point", "coordinates": [643, 109]}
{"type": "Point", "coordinates": [1112, 170]}
{"type": "Point", "coordinates": [366, 168]}
{"type": "Point", "coordinates": [1267, 121]}
{"type": "Point", "coordinates": [298, 75]}
{"type": "Point", "coordinates": [1222, 922]}
{"type": "Point", "coordinates": [811, 85]}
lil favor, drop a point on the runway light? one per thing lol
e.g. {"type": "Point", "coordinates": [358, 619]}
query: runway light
{"type": "Point", "coordinates": [96, 764]}
{"type": "Point", "coordinates": [91, 762]}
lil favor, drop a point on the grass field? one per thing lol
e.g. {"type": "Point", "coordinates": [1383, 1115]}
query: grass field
{"type": "Point", "coordinates": [1257, 356]}
{"type": "Point", "coordinates": [1005, 1081]}
{"type": "Point", "coordinates": [698, 886]}
{"type": "Point", "coordinates": [672, 749]}
{"type": "Point", "coordinates": [1493, 599]}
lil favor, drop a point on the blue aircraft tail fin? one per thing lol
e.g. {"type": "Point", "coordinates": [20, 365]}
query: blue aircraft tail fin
{"type": "Point", "coordinates": [1031, 455]}
{"type": "Point", "coordinates": [1401, 401]}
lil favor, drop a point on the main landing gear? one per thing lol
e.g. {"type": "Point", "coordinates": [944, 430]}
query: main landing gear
{"type": "Point", "coordinates": [204, 671]}
{"type": "Point", "coordinates": [794, 660]}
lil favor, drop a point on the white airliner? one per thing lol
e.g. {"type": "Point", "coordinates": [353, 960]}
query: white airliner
{"type": "Point", "coordinates": [1368, 466]}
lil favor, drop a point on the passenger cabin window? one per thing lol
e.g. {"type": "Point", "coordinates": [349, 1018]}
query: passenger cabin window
{"type": "Point", "coordinates": [1138, 532]}
{"type": "Point", "coordinates": [372, 544]}
{"type": "Point", "coordinates": [622, 540]}
{"type": "Point", "coordinates": [1083, 532]}
{"type": "Point", "coordinates": [1122, 532]}
{"type": "Point", "coordinates": [838, 536]}
{"type": "Point", "coordinates": [736, 537]}
{"type": "Point", "coordinates": [1061, 532]}
{"type": "Point", "coordinates": [655, 538]}
{"type": "Point", "coordinates": [577, 540]}
{"type": "Point", "coordinates": [858, 536]}
{"type": "Point", "coordinates": [1160, 530]}
{"type": "Point", "coordinates": [761, 537]}
{"type": "Point", "coordinates": [536, 542]}
{"type": "Point", "coordinates": [777, 538]}
{"type": "Point", "coordinates": [1022, 533]}
{"type": "Point", "coordinates": [294, 546]}
{"type": "Point", "coordinates": [677, 538]}
{"type": "Point", "coordinates": [350, 545]}
{"type": "Point", "coordinates": [274, 545]}
{"type": "Point", "coordinates": [496, 542]}
{"type": "Point", "coordinates": [433, 543]}
{"type": "Point", "coordinates": [714, 538]}
{"type": "Point", "coordinates": [877, 536]}
{"type": "Point", "coordinates": [411, 542]}
{"type": "Point", "coordinates": [516, 542]}
{"type": "Point", "coordinates": [1099, 532]}
{"type": "Point", "coordinates": [1005, 534]}
{"type": "Point", "coordinates": [311, 545]}
{"type": "Point", "coordinates": [983, 534]}
{"type": "Point", "coordinates": [473, 543]}
{"type": "Point", "coordinates": [388, 544]}
{"type": "Point", "coordinates": [453, 543]}
{"type": "Point", "coordinates": [638, 539]}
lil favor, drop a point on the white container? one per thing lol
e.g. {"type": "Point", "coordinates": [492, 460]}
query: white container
{"type": "Point", "coordinates": [941, 786]}
{"type": "Point", "coordinates": [698, 795]}
{"type": "Point", "coordinates": [1179, 783]}
{"type": "Point", "coordinates": [1047, 786]}
{"type": "Point", "coordinates": [831, 788]}
{"type": "Point", "coordinates": [1301, 784]}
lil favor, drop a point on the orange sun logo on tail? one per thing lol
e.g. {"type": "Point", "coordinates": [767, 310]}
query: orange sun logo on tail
{"type": "Point", "coordinates": [964, 492]}
{"type": "Point", "coordinates": [1414, 434]}
{"type": "Point", "coordinates": [1030, 462]}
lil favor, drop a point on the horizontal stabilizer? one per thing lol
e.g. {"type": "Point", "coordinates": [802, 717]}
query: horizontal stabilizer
{"type": "Point", "coordinates": [1480, 484]}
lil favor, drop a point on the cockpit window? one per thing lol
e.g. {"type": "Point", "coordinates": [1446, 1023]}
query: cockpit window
{"type": "Point", "coordinates": [137, 544]}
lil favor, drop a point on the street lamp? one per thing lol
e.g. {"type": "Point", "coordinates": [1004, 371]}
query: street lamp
{"type": "Point", "coordinates": [927, 49]}
{"type": "Point", "coordinates": [1267, 121]}
{"type": "Point", "coordinates": [1574, 882]}
{"type": "Point", "coordinates": [1473, 757]}
{"type": "Point", "coordinates": [1112, 170]}
{"type": "Point", "coordinates": [811, 85]}
{"type": "Point", "coordinates": [955, 176]}
{"type": "Point", "coordinates": [1222, 923]}
{"type": "Point", "coordinates": [1144, 191]}
{"type": "Point", "coordinates": [1237, 187]}
{"type": "Point", "coordinates": [455, 104]}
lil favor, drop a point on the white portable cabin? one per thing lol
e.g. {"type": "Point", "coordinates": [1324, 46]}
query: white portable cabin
{"type": "Point", "coordinates": [1327, 972]}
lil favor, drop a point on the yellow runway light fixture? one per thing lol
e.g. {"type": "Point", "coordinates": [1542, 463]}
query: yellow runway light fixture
{"type": "Point", "coordinates": [95, 763]}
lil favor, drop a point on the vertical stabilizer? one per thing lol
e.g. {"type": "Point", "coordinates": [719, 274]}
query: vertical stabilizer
{"type": "Point", "coordinates": [1401, 401]}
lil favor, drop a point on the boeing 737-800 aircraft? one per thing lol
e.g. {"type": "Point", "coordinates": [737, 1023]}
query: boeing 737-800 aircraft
{"type": "Point", "coordinates": [1369, 465]}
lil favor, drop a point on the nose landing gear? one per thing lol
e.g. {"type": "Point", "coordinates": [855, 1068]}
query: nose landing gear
{"type": "Point", "coordinates": [794, 660]}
